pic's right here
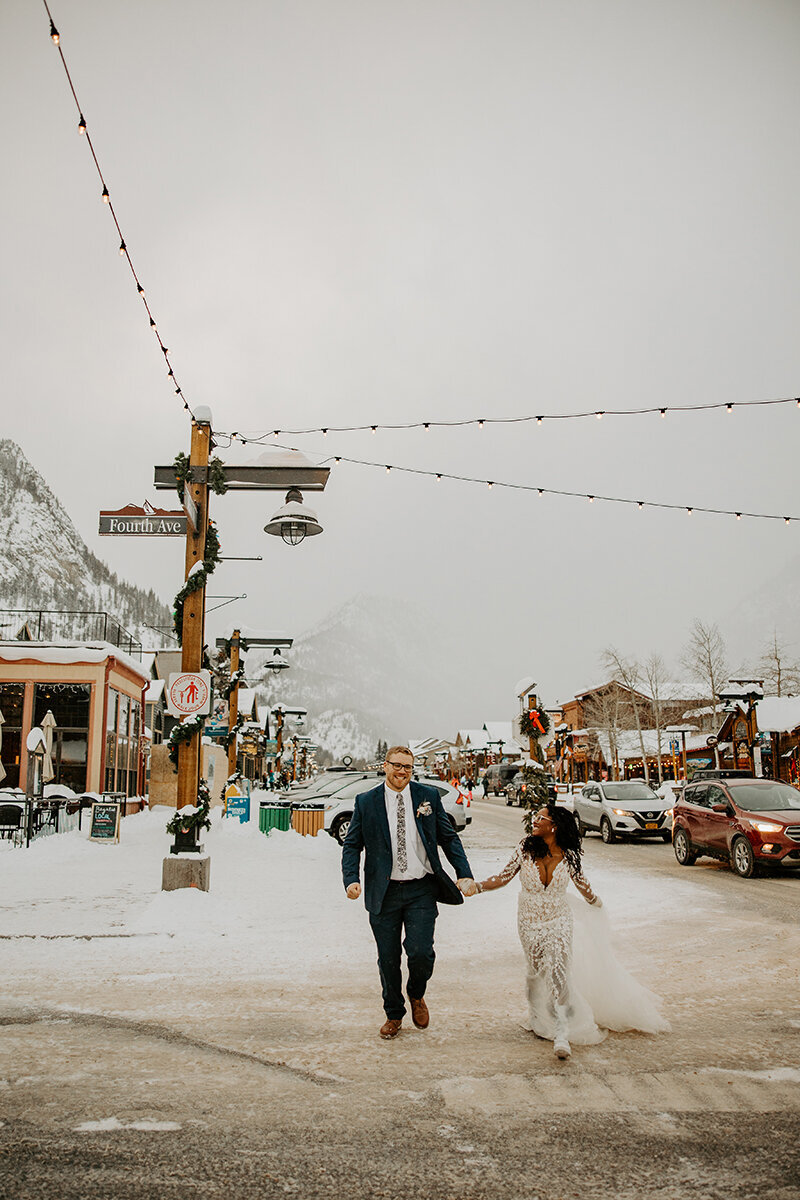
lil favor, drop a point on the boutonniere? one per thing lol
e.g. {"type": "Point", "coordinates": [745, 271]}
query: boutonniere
{"type": "Point", "coordinates": [424, 809]}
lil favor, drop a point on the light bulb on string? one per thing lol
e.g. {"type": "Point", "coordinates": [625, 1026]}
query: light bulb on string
{"type": "Point", "coordinates": [729, 407]}
{"type": "Point", "coordinates": [539, 420]}
{"type": "Point", "coordinates": [663, 412]}
{"type": "Point", "coordinates": [374, 428]}
{"type": "Point", "coordinates": [590, 499]}
{"type": "Point", "coordinates": [55, 36]}
{"type": "Point", "coordinates": [689, 511]}
{"type": "Point", "coordinates": [122, 248]}
{"type": "Point", "coordinates": [426, 425]}
{"type": "Point", "coordinates": [738, 516]}
{"type": "Point", "coordinates": [105, 196]}
{"type": "Point", "coordinates": [489, 483]}
{"type": "Point", "coordinates": [81, 125]}
{"type": "Point", "coordinates": [599, 415]}
{"type": "Point", "coordinates": [480, 424]}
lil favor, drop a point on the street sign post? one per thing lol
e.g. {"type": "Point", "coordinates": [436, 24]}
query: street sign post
{"type": "Point", "coordinates": [142, 520]}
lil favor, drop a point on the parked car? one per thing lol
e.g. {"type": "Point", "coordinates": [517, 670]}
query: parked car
{"type": "Point", "coordinates": [517, 787]}
{"type": "Point", "coordinates": [498, 777]}
{"type": "Point", "coordinates": [670, 790]}
{"type": "Point", "coordinates": [339, 796]}
{"type": "Point", "coordinates": [740, 820]}
{"type": "Point", "coordinates": [626, 808]}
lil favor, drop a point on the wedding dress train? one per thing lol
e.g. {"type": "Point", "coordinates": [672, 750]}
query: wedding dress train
{"type": "Point", "coordinates": [576, 988]}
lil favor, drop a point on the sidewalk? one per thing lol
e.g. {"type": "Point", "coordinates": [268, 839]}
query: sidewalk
{"type": "Point", "coordinates": [136, 1019]}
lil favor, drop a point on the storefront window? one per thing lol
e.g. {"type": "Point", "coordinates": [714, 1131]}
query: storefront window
{"type": "Point", "coordinates": [12, 699]}
{"type": "Point", "coordinates": [123, 725]}
{"type": "Point", "coordinates": [69, 703]}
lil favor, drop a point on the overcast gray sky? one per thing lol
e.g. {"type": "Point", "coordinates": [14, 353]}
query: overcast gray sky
{"type": "Point", "coordinates": [368, 212]}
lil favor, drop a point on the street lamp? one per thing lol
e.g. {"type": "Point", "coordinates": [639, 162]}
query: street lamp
{"type": "Point", "coordinates": [277, 662]}
{"type": "Point", "coordinates": [294, 521]}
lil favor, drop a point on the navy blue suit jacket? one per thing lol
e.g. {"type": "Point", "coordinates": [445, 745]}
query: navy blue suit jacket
{"type": "Point", "coordinates": [369, 831]}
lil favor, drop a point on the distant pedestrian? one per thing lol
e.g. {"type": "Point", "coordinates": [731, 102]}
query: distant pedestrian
{"type": "Point", "coordinates": [485, 784]}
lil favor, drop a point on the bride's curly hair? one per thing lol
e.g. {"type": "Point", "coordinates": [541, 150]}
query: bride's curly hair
{"type": "Point", "coordinates": [568, 838]}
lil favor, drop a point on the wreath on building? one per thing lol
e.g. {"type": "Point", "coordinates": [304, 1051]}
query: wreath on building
{"type": "Point", "coordinates": [534, 723]}
{"type": "Point", "coordinates": [196, 817]}
{"type": "Point", "coordinates": [196, 578]}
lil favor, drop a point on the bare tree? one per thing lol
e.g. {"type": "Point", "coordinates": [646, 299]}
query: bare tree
{"type": "Point", "coordinates": [602, 713]}
{"type": "Point", "coordinates": [705, 658]}
{"type": "Point", "coordinates": [658, 685]}
{"type": "Point", "coordinates": [780, 674]}
{"type": "Point", "coordinates": [628, 672]}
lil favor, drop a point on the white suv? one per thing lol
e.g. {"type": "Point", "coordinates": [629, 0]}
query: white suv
{"type": "Point", "coordinates": [338, 796]}
{"type": "Point", "coordinates": [627, 808]}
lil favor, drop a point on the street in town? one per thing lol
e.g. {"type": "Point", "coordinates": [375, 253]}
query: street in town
{"type": "Point", "coordinates": [194, 1044]}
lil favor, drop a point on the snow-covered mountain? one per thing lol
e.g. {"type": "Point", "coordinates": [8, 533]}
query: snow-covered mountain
{"type": "Point", "coordinates": [44, 561]}
{"type": "Point", "coordinates": [376, 668]}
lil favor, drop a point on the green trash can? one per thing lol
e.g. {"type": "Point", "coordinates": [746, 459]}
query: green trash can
{"type": "Point", "coordinates": [274, 816]}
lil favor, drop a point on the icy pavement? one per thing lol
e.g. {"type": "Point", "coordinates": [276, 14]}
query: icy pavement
{"type": "Point", "coordinates": [276, 907]}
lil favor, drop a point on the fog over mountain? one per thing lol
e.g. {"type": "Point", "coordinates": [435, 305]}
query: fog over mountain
{"type": "Point", "coordinates": [375, 668]}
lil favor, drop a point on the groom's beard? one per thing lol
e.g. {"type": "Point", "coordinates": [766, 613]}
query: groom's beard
{"type": "Point", "coordinates": [537, 846]}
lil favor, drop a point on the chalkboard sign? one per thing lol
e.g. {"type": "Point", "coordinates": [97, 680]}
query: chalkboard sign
{"type": "Point", "coordinates": [105, 822]}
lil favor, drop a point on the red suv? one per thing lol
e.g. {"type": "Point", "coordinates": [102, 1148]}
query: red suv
{"type": "Point", "coordinates": [742, 821]}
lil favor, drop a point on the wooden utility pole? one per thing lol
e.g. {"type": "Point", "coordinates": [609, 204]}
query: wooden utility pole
{"type": "Point", "coordinates": [194, 609]}
{"type": "Point", "coordinates": [233, 704]}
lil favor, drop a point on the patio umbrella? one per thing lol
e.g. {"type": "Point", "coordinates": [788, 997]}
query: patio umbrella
{"type": "Point", "coordinates": [48, 725]}
{"type": "Point", "coordinates": [2, 768]}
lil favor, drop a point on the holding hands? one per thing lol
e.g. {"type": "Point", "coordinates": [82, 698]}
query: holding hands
{"type": "Point", "coordinates": [467, 886]}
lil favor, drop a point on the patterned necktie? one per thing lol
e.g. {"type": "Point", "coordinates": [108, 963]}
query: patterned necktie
{"type": "Point", "coordinates": [402, 854]}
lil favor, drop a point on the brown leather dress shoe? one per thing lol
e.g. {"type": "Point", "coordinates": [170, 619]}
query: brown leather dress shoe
{"type": "Point", "coordinates": [419, 1012]}
{"type": "Point", "coordinates": [390, 1028]}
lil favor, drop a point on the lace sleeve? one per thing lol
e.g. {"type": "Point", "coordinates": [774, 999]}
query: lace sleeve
{"type": "Point", "coordinates": [506, 875]}
{"type": "Point", "coordinates": [584, 887]}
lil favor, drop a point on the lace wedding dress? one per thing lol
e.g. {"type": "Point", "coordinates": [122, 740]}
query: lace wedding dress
{"type": "Point", "coordinates": [576, 987]}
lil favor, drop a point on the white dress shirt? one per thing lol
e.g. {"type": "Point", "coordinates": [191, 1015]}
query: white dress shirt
{"type": "Point", "coordinates": [418, 865]}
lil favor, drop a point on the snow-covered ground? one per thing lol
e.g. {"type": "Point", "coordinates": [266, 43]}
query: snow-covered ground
{"type": "Point", "coordinates": [276, 907]}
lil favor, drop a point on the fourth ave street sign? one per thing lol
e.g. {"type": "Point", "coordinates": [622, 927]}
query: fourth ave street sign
{"type": "Point", "coordinates": [144, 521]}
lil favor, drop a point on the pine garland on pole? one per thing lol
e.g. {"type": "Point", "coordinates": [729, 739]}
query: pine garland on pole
{"type": "Point", "coordinates": [216, 475]}
{"type": "Point", "coordinates": [187, 819]}
{"type": "Point", "coordinates": [197, 578]}
{"type": "Point", "coordinates": [535, 795]}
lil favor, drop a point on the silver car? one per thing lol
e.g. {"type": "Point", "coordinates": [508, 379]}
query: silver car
{"type": "Point", "coordinates": [626, 808]}
{"type": "Point", "coordinates": [338, 794]}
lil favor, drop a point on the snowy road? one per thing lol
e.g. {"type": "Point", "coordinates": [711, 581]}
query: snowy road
{"type": "Point", "coordinates": [247, 1018]}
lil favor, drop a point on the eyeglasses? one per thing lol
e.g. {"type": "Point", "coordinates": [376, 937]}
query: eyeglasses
{"type": "Point", "coordinates": [401, 766]}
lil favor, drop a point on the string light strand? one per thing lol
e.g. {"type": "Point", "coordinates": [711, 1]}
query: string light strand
{"type": "Point", "coordinates": [124, 252]}
{"type": "Point", "coordinates": [459, 423]}
{"type": "Point", "coordinates": [690, 509]}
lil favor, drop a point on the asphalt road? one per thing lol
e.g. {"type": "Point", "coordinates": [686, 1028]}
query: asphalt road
{"type": "Point", "coordinates": [269, 1090]}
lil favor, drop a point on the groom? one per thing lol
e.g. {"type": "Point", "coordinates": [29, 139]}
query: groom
{"type": "Point", "coordinates": [401, 825]}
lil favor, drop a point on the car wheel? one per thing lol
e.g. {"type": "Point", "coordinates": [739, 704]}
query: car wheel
{"type": "Point", "coordinates": [606, 832]}
{"type": "Point", "coordinates": [582, 830]}
{"type": "Point", "coordinates": [666, 837]}
{"type": "Point", "coordinates": [683, 849]}
{"type": "Point", "coordinates": [340, 827]}
{"type": "Point", "coordinates": [743, 860]}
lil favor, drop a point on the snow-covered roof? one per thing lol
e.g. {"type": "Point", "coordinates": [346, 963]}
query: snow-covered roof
{"type": "Point", "coordinates": [778, 714]}
{"type": "Point", "coordinates": [524, 685]}
{"type": "Point", "coordinates": [500, 731]}
{"type": "Point", "coordinates": [475, 737]}
{"type": "Point", "coordinates": [154, 691]}
{"type": "Point", "coordinates": [628, 745]}
{"type": "Point", "coordinates": [247, 698]}
{"type": "Point", "coordinates": [70, 652]}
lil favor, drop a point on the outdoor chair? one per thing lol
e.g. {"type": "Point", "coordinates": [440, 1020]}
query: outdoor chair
{"type": "Point", "coordinates": [11, 817]}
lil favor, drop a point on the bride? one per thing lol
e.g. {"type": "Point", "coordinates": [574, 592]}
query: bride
{"type": "Point", "coordinates": [571, 995]}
